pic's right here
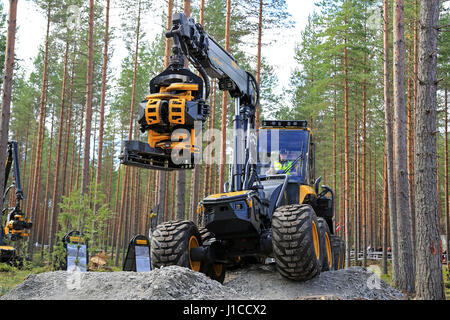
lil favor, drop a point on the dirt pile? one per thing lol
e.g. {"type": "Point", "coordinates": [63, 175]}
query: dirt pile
{"type": "Point", "coordinates": [168, 283]}
{"type": "Point", "coordinates": [263, 282]}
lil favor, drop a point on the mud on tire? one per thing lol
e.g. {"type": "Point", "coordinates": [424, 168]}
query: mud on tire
{"type": "Point", "coordinates": [171, 242]}
{"type": "Point", "coordinates": [295, 242]}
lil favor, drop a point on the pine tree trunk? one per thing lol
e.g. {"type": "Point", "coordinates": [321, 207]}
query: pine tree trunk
{"type": "Point", "coordinates": [389, 146]}
{"type": "Point", "coordinates": [356, 193]}
{"type": "Point", "coordinates": [68, 132]}
{"type": "Point", "coordinates": [224, 106]}
{"type": "Point", "coordinates": [385, 215]}
{"type": "Point", "coordinates": [447, 195]}
{"type": "Point", "coordinates": [39, 147]}
{"type": "Point", "coordinates": [7, 92]}
{"type": "Point", "coordinates": [181, 175]}
{"type": "Point", "coordinates": [103, 95]}
{"type": "Point", "coordinates": [429, 279]}
{"type": "Point", "coordinates": [346, 157]}
{"type": "Point", "coordinates": [364, 175]}
{"type": "Point", "coordinates": [55, 198]}
{"type": "Point", "coordinates": [161, 175]}
{"type": "Point", "coordinates": [77, 184]}
{"type": "Point", "coordinates": [42, 225]}
{"type": "Point", "coordinates": [406, 269]}
{"type": "Point", "coordinates": [258, 56]}
{"type": "Point", "coordinates": [89, 97]}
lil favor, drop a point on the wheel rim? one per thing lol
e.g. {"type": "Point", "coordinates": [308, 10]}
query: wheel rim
{"type": "Point", "coordinates": [316, 240]}
{"type": "Point", "coordinates": [193, 243]}
{"type": "Point", "coordinates": [328, 247]}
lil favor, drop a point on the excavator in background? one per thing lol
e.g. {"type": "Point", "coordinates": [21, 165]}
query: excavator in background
{"type": "Point", "coordinates": [271, 207]}
{"type": "Point", "coordinates": [13, 222]}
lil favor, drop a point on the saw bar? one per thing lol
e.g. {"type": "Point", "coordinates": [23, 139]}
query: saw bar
{"type": "Point", "coordinates": [140, 154]}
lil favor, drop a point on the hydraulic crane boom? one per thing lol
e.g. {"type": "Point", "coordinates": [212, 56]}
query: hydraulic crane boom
{"type": "Point", "coordinates": [205, 53]}
{"type": "Point", "coordinates": [178, 102]}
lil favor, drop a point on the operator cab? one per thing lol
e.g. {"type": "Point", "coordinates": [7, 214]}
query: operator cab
{"type": "Point", "coordinates": [285, 148]}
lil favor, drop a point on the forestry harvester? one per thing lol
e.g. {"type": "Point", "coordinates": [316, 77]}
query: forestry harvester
{"type": "Point", "coordinates": [13, 223]}
{"type": "Point", "coordinates": [271, 207]}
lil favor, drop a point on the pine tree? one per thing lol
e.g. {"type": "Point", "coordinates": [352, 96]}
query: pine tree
{"type": "Point", "coordinates": [405, 263]}
{"type": "Point", "coordinates": [429, 279]}
{"type": "Point", "coordinates": [389, 145]}
{"type": "Point", "coordinates": [7, 90]}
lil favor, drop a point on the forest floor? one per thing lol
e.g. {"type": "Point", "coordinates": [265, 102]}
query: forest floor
{"type": "Point", "coordinates": [260, 282]}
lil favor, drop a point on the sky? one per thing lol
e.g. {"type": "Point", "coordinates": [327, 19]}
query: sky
{"type": "Point", "coordinates": [31, 32]}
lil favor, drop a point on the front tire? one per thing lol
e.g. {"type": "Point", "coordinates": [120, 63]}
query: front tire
{"type": "Point", "coordinates": [295, 241]}
{"type": "Point", "coordinates": [171, 244]}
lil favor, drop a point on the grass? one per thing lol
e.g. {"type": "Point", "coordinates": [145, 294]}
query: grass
{"type": "Point", "coordinates": [11, 276]}
{"type": "Point", "coordinates": [446, 273]}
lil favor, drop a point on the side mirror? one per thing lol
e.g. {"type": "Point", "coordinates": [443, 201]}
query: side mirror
{"type": "Point", "coordinates": [226, 187]}
{"type": "Point", "coordinates": [316, 184]}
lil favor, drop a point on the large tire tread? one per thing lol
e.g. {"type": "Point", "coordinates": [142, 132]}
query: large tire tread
{"type": "Point", "coordinates": [293, 244]}
{"type": "Point", "coordinates": [170, 243]}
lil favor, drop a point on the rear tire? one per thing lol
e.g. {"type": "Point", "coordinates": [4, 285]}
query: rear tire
{"type": "Point", "coordinates": [325, 245]}
{"type": "Point", "coordinates": [212, 270]}
{"type": "Point", "coordinates": [171, 244]}
{"type": "Point", "coordinates": [336, 251]}
{"type": "Point", "coordinates": [295, 241]}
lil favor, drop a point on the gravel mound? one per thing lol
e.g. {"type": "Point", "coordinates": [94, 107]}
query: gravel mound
{"type": "Point", "coordinates": [168, 283]}
{"type": "Point", "coordinates": [354, 283]}
{"type": "Point", "coordinates": [260, 282]}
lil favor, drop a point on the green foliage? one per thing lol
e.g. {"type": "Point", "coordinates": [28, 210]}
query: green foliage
{"type": "Point", "coordinates": [12, 276]}
{"type": "Point", "coordinates": [87, 213]}
{"type": "Point", "coordinates": [444, 48]}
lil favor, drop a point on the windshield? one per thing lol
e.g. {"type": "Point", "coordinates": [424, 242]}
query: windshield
{"type": "Point", "coordinates": [283, 151]}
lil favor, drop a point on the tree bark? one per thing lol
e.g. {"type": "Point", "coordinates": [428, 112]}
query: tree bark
{"type": "Point", "coordinates": [447, 195]}
{"type": "Point", "coordinates": [224, 106]}
{"type": "Point", "coordinates": [42, 224]}
{"type": "Point", "coordinates": [103, 95]}
{"type": "Point", "coordinates": [181, 174]}
{"type": "Point", "coordinates": [89, 97]}
{"type": "Point", "coordinates": [39, 147]}
{"type": "Point", "coordinates": [258, 57]}
{"type": "Point", "coordinates": [429, 279]}
{"type": "Point", "coordinates": [364, 174]}
{"type": "Point", "coordinates": [7, 91]}
{"type": "Point", "coordinates": [55, 198]}
{"type": "Point", "coordinates": [385, 214]}
{"type": "Point", "coordinates": [161, 175]}
{"type": "Point", "coordinates": [406, 269]}
{"type": "Point", "coordinates": [389, 146]}
{"type": "Point", "coordinates": [346, 160]}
